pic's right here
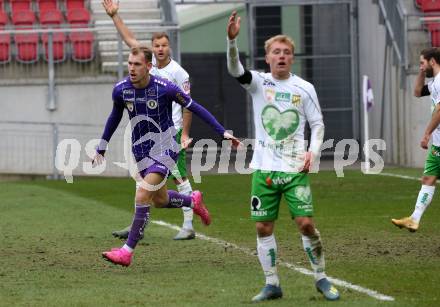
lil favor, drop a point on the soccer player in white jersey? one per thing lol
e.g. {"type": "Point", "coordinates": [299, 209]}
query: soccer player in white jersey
{"type": "Point", "coordinates": [164, 66]}
{"type": "Point", "coordinates": [429, 68]}
{"type": "Point", "coordinates": [282, 104]}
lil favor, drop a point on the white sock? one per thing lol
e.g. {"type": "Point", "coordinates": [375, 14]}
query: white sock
{"type": "Point", "coordinates": [128, 248]}
{"type": "Point", "coordinates": [267, 253]}
{"type": "Point", "coordinates": [185, 188]}
{"type": "Point", "coordinates": [313, 248]}
{"type": "Point", "coordinates": [423, 200]}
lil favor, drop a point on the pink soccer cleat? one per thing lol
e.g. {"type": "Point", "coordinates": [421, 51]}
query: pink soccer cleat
{"type": "Point", "coordinates": [200, 208]}
{"type": "Point", "coordinates": [118, 256]}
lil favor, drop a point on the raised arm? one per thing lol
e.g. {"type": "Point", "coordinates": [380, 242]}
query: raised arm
{"type": "Point", "coordinates": [420, 89]}
{"type": "Point", "coordinates": [111, 8]}
{"type": "Point", "coordinates": [235, 68]}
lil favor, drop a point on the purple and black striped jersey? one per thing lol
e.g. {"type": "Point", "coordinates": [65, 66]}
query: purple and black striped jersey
{"type": "Point", "coordinates": [150, 113]}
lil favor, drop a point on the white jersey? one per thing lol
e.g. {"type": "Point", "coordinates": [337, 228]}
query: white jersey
{"type": "Point", "coordinates": [281, 110]}
{"type": "Point", "coordinates": [434, 89]}
{"type": "Point", "coordinates": [176, 74]}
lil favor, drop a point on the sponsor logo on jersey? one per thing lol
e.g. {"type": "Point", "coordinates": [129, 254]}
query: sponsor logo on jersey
{"type": "Point", "coordinates": [128, 92]}
{"type": "Point", "coordinates": [282, 97]}
{"type": "Point", "coordinates": [128, 97]}
{"type": "Point", "coordinates": [296, 100]}
{"type": "Point", "coordinates": [186, 86]}
{"type": "Point", "coordinates": [129, 105]}
{"type": "Point", "coordinates": [255, 207]}
{"type": "Point", "coordinates": [181, 99]}
{"type": "Point", "coordinates": [268, 83]}
{"type": "Point", "coordinates": [255, 203]}
{"type": "Point", "coordinates": [152, 104]}
{"type": "Point", "coordinates": [281, 181]}
{"type": "Point", "coordinates": [141, 99]}
{"type": "Point", "coordinates": [151, 91]}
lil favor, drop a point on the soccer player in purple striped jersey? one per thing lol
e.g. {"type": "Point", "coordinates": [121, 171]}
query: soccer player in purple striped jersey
{"type": "Point", "coordinates": [148, 101]}
{"type": "Point", "coordinates": [164, 66]}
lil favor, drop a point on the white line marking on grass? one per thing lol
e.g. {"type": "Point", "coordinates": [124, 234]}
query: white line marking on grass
{"type": "Point", "coordinates": [250, 252]}
{"type": "Point", "coordinates": [399, 176]}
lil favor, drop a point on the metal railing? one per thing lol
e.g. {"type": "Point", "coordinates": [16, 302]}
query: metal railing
{"type": "Point", "coordinates": [30, 147]}
{"type": "Point", "coordinates": [396, 22]}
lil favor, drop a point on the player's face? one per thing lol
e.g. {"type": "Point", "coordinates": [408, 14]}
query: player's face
{"type": "Point", "coordinates": [161, 49]}
{"type": "Point", "coordinates": [426, 67]}
{"type": "Point", "coordinates": [280, 59]}
{"type": "Point", "coordinates": [138, 68]}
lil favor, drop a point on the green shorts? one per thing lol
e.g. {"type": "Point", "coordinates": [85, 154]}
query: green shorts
{"type": "Point", "coordinates": [180, 169]}
{"type": "Point", "coordinates": [432, 163]}
{"type": "Point", "coordinates": [267, 189]}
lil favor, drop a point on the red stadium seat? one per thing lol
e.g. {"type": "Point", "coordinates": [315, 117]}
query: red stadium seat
{"type": "Point", "coordinates": [74, 4]}
{"type": "Point", "coordinates": [430, 5]}
{"type": "Point", "coordinates": [418, 3]}
{"type": "Point", "coordinates": [23, 18]}
{"type": "Point", "coordinates": [5, 48]}
{"type": "Point", "coordinates": [27, 47]}
{"type": "Point", "coordinates": [78, 17]}
{"type": "Point", "coordinates": [20, 5]}
{"type": "Point", "coordinates": [434, 29]}
{"type": "Point", "coordinates": [82, 46]}
{"type": "Point", "coordinates": [51, 17]}
{"type": "Point", "coordinates": [435, 39]}
{"type": "Point", "coordinates": [47, 5]}
{"type": "Point", "coordinates": [3, 20]}
{"type": "Point", "coordinates": [58, 43]}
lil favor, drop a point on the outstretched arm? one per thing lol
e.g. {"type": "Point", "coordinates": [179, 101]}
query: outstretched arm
{"type": "Point", "coordinates": [111, 9]}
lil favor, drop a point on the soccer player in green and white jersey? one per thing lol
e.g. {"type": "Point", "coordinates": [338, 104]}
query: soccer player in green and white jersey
{"type": "Point", "coordinates": [282, 104]}
{"type": "Point", "coordinates": [429, 68]}
{"type": "Point", "coordinates": [164, 66]}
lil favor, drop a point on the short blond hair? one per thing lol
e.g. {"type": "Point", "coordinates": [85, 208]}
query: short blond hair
{"type": "Point", "coordinates": [279, 38]}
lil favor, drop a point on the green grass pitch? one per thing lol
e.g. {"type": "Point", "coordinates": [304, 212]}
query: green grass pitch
{"type": "Point", "coordinates": [52, 235]}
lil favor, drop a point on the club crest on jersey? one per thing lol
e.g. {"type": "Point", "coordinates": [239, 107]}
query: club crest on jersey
{"type": "Point", "coordinates": [296, 100]}
{"type": "Point", "coordinates": [269, 94]}
{"type": "Point", "coordinates": [152, 104]}
{"type": "Point", "coordinates": [279, 125]}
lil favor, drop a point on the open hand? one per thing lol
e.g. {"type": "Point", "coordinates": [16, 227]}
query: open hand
{"type": "Point", "coordinates": [111, 8]}
{"type": "Point", "coordinates": [235, 142]}
{"type": "Point", "coordinates": [97, 159]}
{"type": "Point", "coordinates": [233, 27]}
{"type": "Point", "coordinates": [185, 141]}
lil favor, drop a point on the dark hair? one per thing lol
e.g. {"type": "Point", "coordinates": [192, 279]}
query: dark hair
{"type": "Point", "coordinates": [430, 53]}
{"type": "Point", "coordinates": [157, 35]}
{"type": "Point", "coordinates": [148, 55]}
